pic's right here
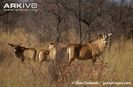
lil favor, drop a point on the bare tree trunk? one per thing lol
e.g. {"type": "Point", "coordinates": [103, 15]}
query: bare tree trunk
{"type": "Point", "coordinates": [58, 33]}
{"type": "Point", "coordinates": [80, 30]}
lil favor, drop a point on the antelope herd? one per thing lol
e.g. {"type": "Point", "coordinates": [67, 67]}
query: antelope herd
{"type": "Point", "coordinates": [90, 50]}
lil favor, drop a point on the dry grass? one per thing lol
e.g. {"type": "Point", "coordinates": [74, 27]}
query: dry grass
{"type": "Point", "coordinates": [119, 59]}
{"type": "Point", "coordinates": [114, 65]}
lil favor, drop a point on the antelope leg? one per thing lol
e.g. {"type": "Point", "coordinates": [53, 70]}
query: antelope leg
{"type": "Point", "coordinates": [93, 60]}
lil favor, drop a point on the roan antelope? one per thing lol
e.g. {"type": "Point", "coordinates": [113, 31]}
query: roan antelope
{"type": "Point", "coordinates": [90, 50]}
{"type": "Point", "coordinates": [52, 51]}
{"type": "Point", "coordinates": [24, 53]}
{"type": "Point", "coordinates": [43, 55]}
{"type": "Point", "coordinates": [49, 54]}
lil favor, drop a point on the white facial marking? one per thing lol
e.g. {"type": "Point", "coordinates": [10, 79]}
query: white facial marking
{"type": "Point", "coordinates": [14, 50]}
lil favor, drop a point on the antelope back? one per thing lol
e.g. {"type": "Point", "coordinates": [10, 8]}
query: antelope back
{"type": "Point", "coordinates": [30, 53]}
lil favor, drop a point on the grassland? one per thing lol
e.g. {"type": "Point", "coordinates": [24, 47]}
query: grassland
{"type": "Point", "coordinates": [116, 64]}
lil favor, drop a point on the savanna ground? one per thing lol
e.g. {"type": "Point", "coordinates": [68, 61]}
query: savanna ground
{"type": "Point", "coordinates": [116, 65]}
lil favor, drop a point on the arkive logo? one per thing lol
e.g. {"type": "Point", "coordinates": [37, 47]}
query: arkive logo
{"type": "Point", "coordinates": [20, 6]}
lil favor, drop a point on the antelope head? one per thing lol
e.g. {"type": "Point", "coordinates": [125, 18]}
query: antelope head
{"type": "Point", "coordinates": [104, 38]}
{"type": "Point", "coordinates": [16, 47]}
{"type": "Point", "coordinates": [51, 45]}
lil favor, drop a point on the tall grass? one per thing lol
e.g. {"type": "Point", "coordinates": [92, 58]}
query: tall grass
{"type": "Point", "coordinates": [115, 64]}
{"type": "Point", "coordinates": [119, 59]}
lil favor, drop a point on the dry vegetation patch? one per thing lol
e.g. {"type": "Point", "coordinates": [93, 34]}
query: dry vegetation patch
{"type": "Point", "coordinates": [114, 65]}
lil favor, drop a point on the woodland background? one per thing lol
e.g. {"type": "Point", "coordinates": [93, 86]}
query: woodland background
{"type": "Point", "coordinates": [67, 21]}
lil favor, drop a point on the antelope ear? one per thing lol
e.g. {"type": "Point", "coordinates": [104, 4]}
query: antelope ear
{"type": "Point", "coordinates": [109, 34]}
{"type": "Point", "coordinates": [11, 45]}
{"type": "Point", "coordinates": [52, 43]}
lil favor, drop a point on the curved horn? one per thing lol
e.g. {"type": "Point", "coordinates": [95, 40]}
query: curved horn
{"type": "Point", "coordinates": [102, 34]}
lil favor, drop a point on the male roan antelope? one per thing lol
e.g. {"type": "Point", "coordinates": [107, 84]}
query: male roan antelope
{"type": "Point", "coordinates": [23, 52]}
{"type": "Point", "coordinates": [90, 50]}
{"type": "Point", "coordinates": [48, 55]}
